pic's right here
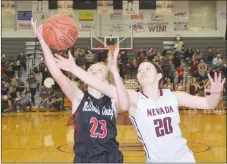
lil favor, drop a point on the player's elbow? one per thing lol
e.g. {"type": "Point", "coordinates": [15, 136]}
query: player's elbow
{"type": "Point", "coordinates": [124, 107]}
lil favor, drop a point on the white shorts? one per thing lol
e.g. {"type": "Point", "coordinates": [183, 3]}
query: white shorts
{"type": "Point", "coordinates": [187, 158]}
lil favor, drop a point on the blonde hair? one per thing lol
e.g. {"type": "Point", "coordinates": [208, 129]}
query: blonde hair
{"type": "Point", "coordinates": [109, 75]}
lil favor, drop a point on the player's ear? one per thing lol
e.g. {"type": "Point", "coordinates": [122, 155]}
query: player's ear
{"type": "Point", "coordinates": [159, 76]}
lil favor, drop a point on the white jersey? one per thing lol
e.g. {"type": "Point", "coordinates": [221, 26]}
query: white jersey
{"type": "Point", "coordinates": [157, 125]}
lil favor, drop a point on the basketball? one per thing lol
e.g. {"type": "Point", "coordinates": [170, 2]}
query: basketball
{"type": "Point", "coordinates": [60, 32]}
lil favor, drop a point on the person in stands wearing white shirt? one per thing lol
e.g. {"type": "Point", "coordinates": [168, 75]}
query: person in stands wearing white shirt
{"type": "Point", "coordinates": [217, 62]}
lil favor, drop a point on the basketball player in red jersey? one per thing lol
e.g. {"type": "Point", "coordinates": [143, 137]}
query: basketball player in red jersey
{"type": "Point", "coordinates": [94, 112]}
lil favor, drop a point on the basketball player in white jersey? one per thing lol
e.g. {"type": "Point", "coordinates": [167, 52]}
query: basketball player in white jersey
{"type": "Point", "coordinates": [154, 113]}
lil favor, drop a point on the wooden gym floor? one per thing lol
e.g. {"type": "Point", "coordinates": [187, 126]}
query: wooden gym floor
{"type": "Point", "coordinates": [46, 137]}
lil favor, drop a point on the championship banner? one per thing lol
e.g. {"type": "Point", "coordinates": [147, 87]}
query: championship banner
{"type": "Point", "coordinates": [130, 7]}
{"type": "Point", "coordinates": [66, 7]}
{"type": "Point", "coordinates": [105, 7]}
{"type": "Point", "coordinates": [180, 16]}
{"type": "Point", "coordinates": [180, 21]}
{"type": "Point", "coordinates": [24, 19]}
{"type": "Point", "coordinates": [40, 7]}
{"type": "Point", "coordinates": [8, 7]}
{"type": "Point", "coordinates": [156, 23]}
{"type": "Point", "coordinates": [86, 15]}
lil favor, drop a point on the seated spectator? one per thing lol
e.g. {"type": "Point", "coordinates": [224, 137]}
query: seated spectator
{"type": "Point", "coordinates": [127, 69]}
{"type": "Point", "coordinates": [176, 61]}
{"type": "Point", "coordinates": [3, 68]}
{"type": "Point", "coordinates": [56, 101]}
{"type": "Point", "coordinates": [22, 59]}
{"type": "Point", "coordinates": [188, 54]}
{"type": "Point", "coordinates": [168, 84]}
{"type": "Point", "coordinates": [141, 58]}
{"type": "Point", "coordinates": [218, 51]}
{"type": "Point", "coordinates": [80, 60]}
{"type": "Point", "coordinates": [4, 87]}
{"type": "Point", "coordinates": [210, 71]}
{"type": "Point", "coordinates": [27, 101]}
{"type": "Point", "coordinates": [84, 67]}
{"type": "Point", "coordinates": [150, 54]}
{"type": "Point", "coordinates": [101, 56]}
{"type": "Point", "coordinates": [217, 61]}
{"type": "Point", "coordinates": [194, 68]}
{"type": "Point", "coordinates": [224, 68]}
{"type": "Point", "coordinates": [202, 70]}
{"type": "Point", "coordinates": [44, 96]}
{"type": "Point", "coordinates": [12, 95]}
{"type": "Point", "coordinates": [90, 58]}
{"type": "Point", "coordinates": [207, 86]}
{"type": "Point", "coordinates": [180, 71]}
{"type": "Point", "coordinates": [122, 57]}
{"type": "Point", "coordinates": [141, 51]}
{"type": "Point", "coordinates": [134, 67]}
{"type": "Point", "coordinates": [162, 84]}
{"type": "Point", "coordinates": [76, 53]}
{"type": "Point", "coordinates": [159, 57]}
{"type": "Point", "coordinates": [210, 56]}
{"type": "Point", "coordinates": [180, 86]}
{"type": "Point", "coordinates": [32, 83]}
{"type": "Point", "coordinates": [171, 71]}
{"type": "Point", "coordinates": [193, 90]}
{"type": "Point", "coordinates": [198, 55]}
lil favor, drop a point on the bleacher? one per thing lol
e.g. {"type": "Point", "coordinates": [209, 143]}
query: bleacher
{"type": "Point", "coordinates": [11, 47]}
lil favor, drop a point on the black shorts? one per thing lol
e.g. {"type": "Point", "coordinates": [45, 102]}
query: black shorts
{"type": "Point", "coordinates": [100, 158]}
{"type": "Point", "coordinates": [130, 1]}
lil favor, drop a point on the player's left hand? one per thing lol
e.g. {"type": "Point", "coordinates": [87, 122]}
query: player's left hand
{"type": "Point", "coordinates": [216, 85]}
{"type": "Point", "coordinates": [64, 63]}
{"type": "Point", "coordinates": [112, 61]}
{"type": "Point", "coordinates": [38, 31]}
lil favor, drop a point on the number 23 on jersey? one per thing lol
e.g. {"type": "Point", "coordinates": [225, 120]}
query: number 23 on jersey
{"type": "Point", "coordinates": [95, 124]}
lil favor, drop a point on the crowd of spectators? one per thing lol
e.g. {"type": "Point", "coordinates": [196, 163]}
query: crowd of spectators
{"type": "Point", "coordinates": [198, 64]}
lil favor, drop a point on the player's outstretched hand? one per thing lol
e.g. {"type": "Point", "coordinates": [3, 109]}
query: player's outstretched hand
{"type": "Point", "coordinates": [112, 61]}
{"type": "Point", "coordinates": [216, 85]}
{"type": "Point", "coordinates": [38, 31]}
{"type": "Point", "coordinates": [64, 63]}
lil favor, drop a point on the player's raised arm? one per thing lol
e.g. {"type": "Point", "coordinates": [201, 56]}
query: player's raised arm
{"type": "Point", "coordinates": [122, 103]}
{"type": "Point", "coordinates": [96, 83]}
{"type": "Point", "coordinates": [64, 82]}
{"type": "Point", "coordinates": [209, 102]}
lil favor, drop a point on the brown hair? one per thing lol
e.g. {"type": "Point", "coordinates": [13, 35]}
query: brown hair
{"type": "Point", "coordinates": [159, 70]}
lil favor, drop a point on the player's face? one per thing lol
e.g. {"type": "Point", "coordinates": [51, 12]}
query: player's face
{"type": "Point", "coordinates": [98, 70]}
{"type": "Point", "coordinates": [147, 74]}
